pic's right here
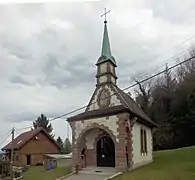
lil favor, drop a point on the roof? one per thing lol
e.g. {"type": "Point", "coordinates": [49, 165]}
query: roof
{"type": "Point", "coordinates": [25, 137]}
{"type": "Point", "coordinates": [106, 54]}
{"type": "Point", "coordinates": [59, 156]}
{"type": "Point", "coordinates": [98, 113]}
{"type": "Point", "coordinates": [128, 105]}
{"type": "Point", "coordinates": [133, 106]}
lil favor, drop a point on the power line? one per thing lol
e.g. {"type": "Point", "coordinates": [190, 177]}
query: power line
{"type": "Point", "coordinates": [144, 80]}
{"type": "Point", "coordinates": [172, 57]}
{"type": "Point", "coordinates": [173, 47]}
{"type": "Point", "coordinates": [169, 60]}
{"type": "Point", "coordinates": [6, 136]}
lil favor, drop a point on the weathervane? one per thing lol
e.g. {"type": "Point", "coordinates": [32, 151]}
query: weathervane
{"type": "Point", "coordinates": [106, 12]}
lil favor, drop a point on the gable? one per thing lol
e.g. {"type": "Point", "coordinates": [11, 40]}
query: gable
{"type": "Point", "coordinates": [25, 137]}
{"type": "Point", "coordinates": [113, 98]}
{"type": "Point", "coordinates": [40, 143]}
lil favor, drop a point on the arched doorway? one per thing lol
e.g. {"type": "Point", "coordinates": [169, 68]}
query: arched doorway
{"type": "Point", "coordinates": [105, 150]}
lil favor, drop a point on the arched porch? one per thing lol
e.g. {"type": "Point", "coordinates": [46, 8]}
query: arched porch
{"type": "Point", "coordinates": [96, 146]}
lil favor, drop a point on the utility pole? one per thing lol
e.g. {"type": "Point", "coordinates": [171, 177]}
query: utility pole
{"type": "Point", "coordinates": [12, 156]}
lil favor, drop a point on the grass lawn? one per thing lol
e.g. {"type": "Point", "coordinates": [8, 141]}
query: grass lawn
{"type": "Point", "coordinates": [39, 173]}
{"type": "Point", "coordinates": [176, 164]}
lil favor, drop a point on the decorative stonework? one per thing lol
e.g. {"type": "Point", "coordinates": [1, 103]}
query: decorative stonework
{"type": "Point", "coordinates": [92, 99]}
{"type": "Point", "coordinates": [121, 161]}
{"type": "Point", "coordinates": [111, 123]}
{"type": "Point", "coordinates": [131, 149]}
{"type": "Point", "coordinates": [103, 97]}
{"type": "Point", "coordinates": [114, 97]}
{"type": "Point", "coordinates": [96, 126]}
{"type": "Point", "coordinates": [73, 127]}
{"type": "Point", "coordinates": [116, 94]}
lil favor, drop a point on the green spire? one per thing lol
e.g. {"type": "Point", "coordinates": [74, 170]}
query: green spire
{"type": "Point", "coordinates": [106, 44]}
{"type": "Point", "coordinates": [106, 51]}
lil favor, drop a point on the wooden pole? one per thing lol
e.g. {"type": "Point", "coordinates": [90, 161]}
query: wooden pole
{"type": "Point", "coordinates": [12, 156]}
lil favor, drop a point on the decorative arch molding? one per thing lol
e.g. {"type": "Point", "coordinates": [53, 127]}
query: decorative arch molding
{"type": "Point", "coordinates": [96, 126]}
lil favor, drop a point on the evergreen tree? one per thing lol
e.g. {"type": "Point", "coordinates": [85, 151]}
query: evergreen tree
{"type": "Point", "coordinates": [60, 143]}
{"type": "Point", "coordinates": [67, 146]}
{"type": "Point", "coordinates": [43, 122]}
{"type": "Point", "coordinates": [170, 103]}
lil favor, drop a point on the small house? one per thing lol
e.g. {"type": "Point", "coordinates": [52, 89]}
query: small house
{"type": "Point", "coordinates": [29, 147]}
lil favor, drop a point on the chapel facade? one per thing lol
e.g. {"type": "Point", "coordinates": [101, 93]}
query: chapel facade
{"type": "Point", "coordinates": [113, 131]}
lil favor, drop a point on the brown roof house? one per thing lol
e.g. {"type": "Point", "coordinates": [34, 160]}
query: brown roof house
{"type": "Point", "coordinates": [29, 147]}
{"type": "Point", "coordinates": [113, 131]}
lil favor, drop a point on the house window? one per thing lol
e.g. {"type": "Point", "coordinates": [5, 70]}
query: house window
{"type": "Point", "coordinates": [143, 141]}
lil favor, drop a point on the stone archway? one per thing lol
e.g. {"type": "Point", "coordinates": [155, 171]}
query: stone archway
{"type": "Point", "coordinates": [88, 139]}
{"type": "Point", "coordinates": [105, 152]}
{"type": "Point", "coordinates": [96, 126]}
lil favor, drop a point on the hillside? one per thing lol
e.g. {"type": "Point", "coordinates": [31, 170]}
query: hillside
{"type": "Point", "coordinates": [176, 164]}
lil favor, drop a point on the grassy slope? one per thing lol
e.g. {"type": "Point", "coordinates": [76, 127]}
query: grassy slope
{"type": "Point", "coordinates": [39, 173]}
{"type": "Point", "coordinates": [176, 164]}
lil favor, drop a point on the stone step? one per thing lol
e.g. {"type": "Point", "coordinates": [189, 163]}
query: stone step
{"type": "Point", "coordinates": [98, 171]}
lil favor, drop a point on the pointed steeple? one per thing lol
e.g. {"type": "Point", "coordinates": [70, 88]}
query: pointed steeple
{"type": "Point", "coordinates": [106, 54]}
{"type": "Point", "coordinates": [106, 44]}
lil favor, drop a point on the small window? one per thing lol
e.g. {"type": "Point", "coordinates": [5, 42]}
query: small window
{"type": "Point", "coordinates": [143, 140]}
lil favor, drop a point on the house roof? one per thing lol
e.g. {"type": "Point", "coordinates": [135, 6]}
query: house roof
{"type": "Point", "coordinates": [25, 137]}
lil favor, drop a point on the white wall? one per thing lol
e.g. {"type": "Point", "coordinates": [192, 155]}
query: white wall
{"type": "Point", "coordinates": [90, 138]}
{"type": "Point", "coordinates": [138, 158]}
{"type": "Point", "coordinates": [111, 123]}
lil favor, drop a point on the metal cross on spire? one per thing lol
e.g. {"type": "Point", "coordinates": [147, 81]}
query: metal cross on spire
{"type": "Point", "coordinates": [106, 12]}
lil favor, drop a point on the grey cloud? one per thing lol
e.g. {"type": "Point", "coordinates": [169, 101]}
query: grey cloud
{"type": "Point", "coordinates": [57, 63]}
{"type": "Point", "coordinates": [20, 80]}
{"type": "Point", "coordinates": [21, 116]}
{"type": "Point", "coordinates": [75, 73]}
{"type": "Point", "coordinates": [17, 49]}
{"type": "Point", "coordinates": [175, 11]}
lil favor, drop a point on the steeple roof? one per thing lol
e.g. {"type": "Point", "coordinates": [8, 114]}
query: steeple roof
{"type": "Point", "coordinates": [106, 54]}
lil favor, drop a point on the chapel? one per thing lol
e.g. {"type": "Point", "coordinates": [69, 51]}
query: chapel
{"type": "Point", "coordinates": [113, 131]}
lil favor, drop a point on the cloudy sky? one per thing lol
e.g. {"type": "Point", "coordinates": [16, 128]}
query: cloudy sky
{"type": "Point", "coordinates": [48, 52]}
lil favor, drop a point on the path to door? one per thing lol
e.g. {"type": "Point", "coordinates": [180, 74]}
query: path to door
{"type": "Point", "coordinates": [93, 174]}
